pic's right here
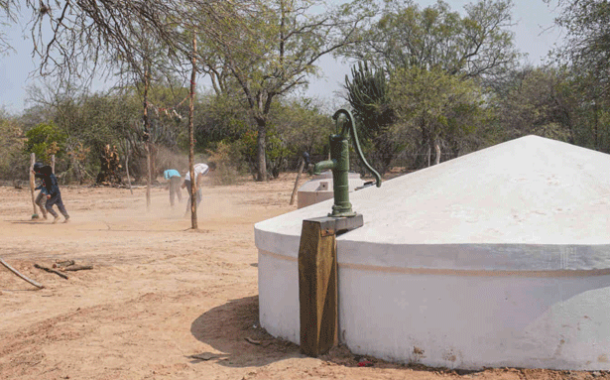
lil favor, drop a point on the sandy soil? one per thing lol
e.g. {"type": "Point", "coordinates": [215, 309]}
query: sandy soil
{"type": "Point", "coordinates": [159, 294]}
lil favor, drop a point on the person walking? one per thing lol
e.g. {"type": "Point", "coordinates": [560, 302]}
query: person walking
{"type": "Point", "coordinates": [53, 193]}
{"type": "Point", "coordinates": [174, 178]}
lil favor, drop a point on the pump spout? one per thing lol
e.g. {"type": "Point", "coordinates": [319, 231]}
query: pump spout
{"type": "Point", "coordinates": [324, 165]}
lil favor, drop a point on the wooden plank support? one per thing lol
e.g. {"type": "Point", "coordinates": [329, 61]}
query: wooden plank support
{"type": "Point", "coordinates": [318, 297]}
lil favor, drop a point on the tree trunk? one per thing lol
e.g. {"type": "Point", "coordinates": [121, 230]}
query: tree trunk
{"type": "Point", "coordinates": [147, 138]}
{"type": "Point", "coordinates": [261, 149]}
{"type": "Point", "coordinates": [429, 154]}
{"type": "Point", "coordinates": [194, 183]}
{"type": "Point", "coordinates": [153, 158]}
{"type": "Point", "coordinates": [437, 148]}
{"type": "Point", "coordinates": [596, 124]}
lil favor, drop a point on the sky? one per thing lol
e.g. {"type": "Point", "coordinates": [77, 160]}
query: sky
{"type": "Point", "coordinates": [534, 36]}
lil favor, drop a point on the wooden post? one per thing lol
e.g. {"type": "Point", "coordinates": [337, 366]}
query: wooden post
{"type": "Point", "coordinates": [148, 174]}
{"type": "Point", "coordinates": [147, 136]}
{"type": "Point", "coordinates": [194, 184]}
{"type": "Point", "coordinates": [317, 289]}
{"type": "Point", "coordinates": [296, 182]}
{"type": "Point", "coordinates": [53, 163]}
{"type": "Point", "coordinates": [318, 298]}
{"type": "Point", "coordinates": [33, 184]}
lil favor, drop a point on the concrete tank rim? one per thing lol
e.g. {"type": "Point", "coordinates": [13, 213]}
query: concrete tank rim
{"type": "Point", "coordinates": [460, 258]}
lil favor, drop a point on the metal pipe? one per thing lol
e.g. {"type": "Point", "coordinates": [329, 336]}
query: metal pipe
{"type": "Point", "coordinates": [324, 165]}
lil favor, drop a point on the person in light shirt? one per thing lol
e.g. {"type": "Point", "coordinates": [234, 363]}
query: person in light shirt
{"type": "Point", "coordinates": [174, 178]}
{"type": "Point", "coordinates": [200, 169]}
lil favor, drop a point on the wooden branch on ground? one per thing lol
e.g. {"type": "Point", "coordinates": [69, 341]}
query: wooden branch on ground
{"type": "Point", "coordinates": [74, 268]}
{"type": "Point", "coordinates": [51, 271]}
{"type": "Point", "coordinates": [16, 272]}
{"type": "Point", "coordinates": [63, 264]}
{"type": "Point", "coordinates": [252, 341]}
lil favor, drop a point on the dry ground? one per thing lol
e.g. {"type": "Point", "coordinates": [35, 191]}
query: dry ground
{"type": "Point", "coordinates": [159, 294]}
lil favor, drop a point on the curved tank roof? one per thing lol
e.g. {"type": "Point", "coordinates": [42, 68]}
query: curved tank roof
{"type": "Point", "coordinates": [527, 204]}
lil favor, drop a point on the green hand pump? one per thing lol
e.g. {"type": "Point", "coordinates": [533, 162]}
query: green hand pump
{"type": "Point", "coordinates": [339, 162]}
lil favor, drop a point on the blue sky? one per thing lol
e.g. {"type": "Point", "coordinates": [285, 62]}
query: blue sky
{"type": "Point", "coordinates": [534, 35]}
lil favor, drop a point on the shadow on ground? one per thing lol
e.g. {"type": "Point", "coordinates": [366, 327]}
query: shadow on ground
{"type": "Point", "coordinates": [233, 329]}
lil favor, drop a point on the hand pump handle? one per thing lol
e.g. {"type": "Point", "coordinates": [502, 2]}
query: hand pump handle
{"type": "Point", "coordinates": [349, 125]}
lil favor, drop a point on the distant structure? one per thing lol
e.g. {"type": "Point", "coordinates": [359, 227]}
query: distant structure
{"type": "Point", "coordinates": [320, 188]}
{"type": "Point", "coordinates": [497, 258]}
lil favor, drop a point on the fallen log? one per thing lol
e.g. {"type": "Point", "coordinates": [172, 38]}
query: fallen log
{"type": "Point", "coordinates": [74, 268]}
{"type": "Point", "coordinates": [16, 272]}
{"type": "Point", "coordinates": [51, 271]}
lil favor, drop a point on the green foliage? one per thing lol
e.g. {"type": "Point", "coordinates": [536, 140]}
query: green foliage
{"type": "Point", "coordinates": [478, 44]}
{"type": "Point", "coordinates": [219, 118]}
{"type": "Point", "coordinates": [437, 108]}
{"type": "Point", "coordinates": [45, 140]}
{"type": "Point", "coordinates": [539, 101]}
{"type": "Point", "coordinates": [276, 152]}
{"type": "Point", "coordinates": [587, 23]}
{"type": "Point", "coordinates": [13, 161]}
{"type": "Point", "coordinates": [584, 56]}
{"type": "Point", "coordinates": [302, 125]}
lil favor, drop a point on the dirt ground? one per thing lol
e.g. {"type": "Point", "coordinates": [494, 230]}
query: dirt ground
{"type": "Point", "coordinates": [159, 294]}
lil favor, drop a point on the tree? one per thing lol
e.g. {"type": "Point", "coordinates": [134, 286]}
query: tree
{"type": "Point", "coordinates": [479, 44]}
{"type": "Point", "coordinates": [11, 146]}
{"type": "Point", "coordinates": [437, 106]}
{"type": "Point", "coordinates": [273, 51]}
{"type": "Point", "coordinates": [540, 101]}
{"type": "Point", "coordinates": [194, 182]}
{"type": "Point", "coordinates": [7, 16]}
{"type": "Point", "coordinates": [92, 35]}
{"type": "Point", "coordinates": [587, 23]}
{"type": "Point", "coordinates": [45, 140]}
{"type": "Point", "coordinates": [586, 53]}
{"type": "Point", "coordinates": [302, 125]}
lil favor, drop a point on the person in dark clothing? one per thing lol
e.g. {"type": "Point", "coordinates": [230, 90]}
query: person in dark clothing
{"type": "Point", "coordinates": [306, 166]}
{"type": "Point", "coordinates": [53, 193]}
{"type": "Point", "coordinates": [307, 159]}
{"type": "Point", "coordinates": [41, 199]}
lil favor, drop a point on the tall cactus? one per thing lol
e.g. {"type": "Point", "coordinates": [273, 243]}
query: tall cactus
{"type": "Point", "coordinates": [368, 94]}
